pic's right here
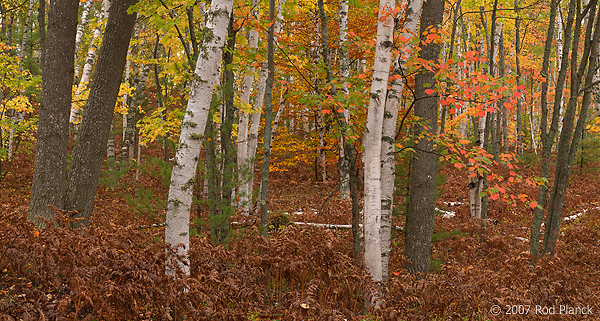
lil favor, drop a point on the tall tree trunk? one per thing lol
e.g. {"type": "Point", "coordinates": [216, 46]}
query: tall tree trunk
{"type": "Point", "coordinates": [344, 74]}
{"type": "Point", "coordinates": [264, 190]}
{"type": "Point", "coordinates": [89, 61]}
{"type": "Point", "coordinates": [42, 30]}
{"type": "Point", "coordinates": [80, 29]}
{"type": "Point", "coordinates": [258, 106]}
{"type": "Point", "coordinates": [372, 139]}
{"type": "Point", "coordinates": [50, 167]}
{"type": "Point", "coordinates": [388, 141]}
{"type": "Point", "coordinates": [419, 222]}
{"type": "Point", "coordinates": [547, 136]}
{"type": "Point", "coordinates": [244, 176]}
{"type": "Point", "coordinates": [519, 124]}
{"type": "Point", "coordinates": [222, 223]}
{"type": "Point", "coordinates": [140, 78]}
{"type": "Point", "coordinates": [192, 130]}
{"type": "Point", "coordinates": [90, 149]}
{"type": "Point", "coordinates": [567, 145]}
{"type": "Point", "coordinates": [110, 149]}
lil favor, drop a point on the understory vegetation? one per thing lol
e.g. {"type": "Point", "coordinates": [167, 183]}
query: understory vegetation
{"type": "Point", "coordinates": [114, 270]}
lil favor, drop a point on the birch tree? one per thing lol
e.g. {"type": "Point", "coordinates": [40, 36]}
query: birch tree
{"type": "Point", "coordinates": [390, 118]}
{"type": "Point", "coordinates": [245, 177]}
{"type": "Point", "coordinates": [90, 59]}
{"type": "Point", "coordinates": [372, 139]}
{"type": "Point", "coordinates": [192, 131]}
{"type": "Point", "coordinates": [87, 7]}
{"type": "Point", "coordinates": [344, 166]}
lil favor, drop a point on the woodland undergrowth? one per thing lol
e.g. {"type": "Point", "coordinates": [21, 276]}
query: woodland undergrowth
{"type": "Point", "coordinates": [114, 270]}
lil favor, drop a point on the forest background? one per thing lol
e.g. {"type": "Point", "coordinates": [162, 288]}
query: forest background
{"type": "Point", "coordinates": [294, 160]}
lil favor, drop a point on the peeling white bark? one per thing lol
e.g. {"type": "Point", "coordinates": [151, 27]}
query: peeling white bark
{"type": "Point", "coordinates": [388, 146]}
{"type": "Point", "coordinates": [192, 133]}
{"type": "Point", "coordinates": [243, 160]}
{"type": "Point", "coordinates": [372, 139]}
{"type": "Point", "coordinates": [90, 59]}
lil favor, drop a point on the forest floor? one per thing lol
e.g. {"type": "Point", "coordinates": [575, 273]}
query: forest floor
{"type": "Point", "coordinates": [114, 270]}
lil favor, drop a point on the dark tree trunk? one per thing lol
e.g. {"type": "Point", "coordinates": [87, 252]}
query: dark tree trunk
{"type": "Point", "coordinates": [519, 125]}
{"type": "Point", "coordinates": [547, 136]}
{"type": "Point", "coordinates": [214, 182]}
{"type": "Point", "coordinates": [42, 30]}
{"type": "Point", "coordinates": [89, 152]}
{"type": "Point", "coordinates": [419, 223]}
{"type": "Point", "coordinates": [568, 142]}
{"type": "Point", "coordinates": [228, 181]}
{"type": "Point", "coordinates": [50, 168]}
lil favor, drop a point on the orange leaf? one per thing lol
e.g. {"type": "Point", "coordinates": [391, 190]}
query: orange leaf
{"type": "Point", "coordinates": [429, 91]}
{"type": "Point", "coordinates": [36, 233]}
{"type": "Point", "coordinates": [533, 204]}
{"type": "Point", "coordinates": [458, 165]}
{"type": "Point", "coordinates": [325, 111]}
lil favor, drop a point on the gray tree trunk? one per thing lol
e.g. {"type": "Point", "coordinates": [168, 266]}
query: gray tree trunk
{"type": "Point", "coordinates": [50, 167]}
{"type": "Point", "coordinates": [547, 136]}
{"type": "Point", "coordinates": [568, 142]}
{"type": "Point", "coordinates": [90, 149]}
{"type": "Point", "coordinates": [419, 222]}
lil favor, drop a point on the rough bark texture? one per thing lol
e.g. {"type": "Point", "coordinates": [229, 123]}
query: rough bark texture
{"type": "Point", "coordinates": [419, 222]}
{"type": "Point", "coordinates": [372, 140]}
{"type": "Point", "coordinates": [90, 148]}
{"type": "Point", "coordinates": [568, 142]}
{"type": "Point", "coordinates": [221, 224]}
{"type": "Point", "coordinates": [547, 136]}
{"type": "Point", "coordinates": [192, 131]}
{"type": "Point", "coordinates": [49, 174]}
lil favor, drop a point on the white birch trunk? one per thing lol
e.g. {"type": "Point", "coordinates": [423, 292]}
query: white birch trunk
{"type": "Point", "coordinates": [372, 139]}
{"type": "Point", "coordinates": [255, 117]}
{"type": "Point", "coordinates": [192, 132]}
{"type": "Point", "coordinates": [253, 133]}
{"type": "Point", "coordinates": [80, 28]}
{"type": "Point", "coordinates": [89, 61]}
{"type": "Point", "coordinates": [388, 146]}
{"type": "Point", "coordinates": [476, 179]}
{"type": "Point", "coordinates": [125, 95]}
{"type": "Point", "coordinates": [321, 152]}
{"type": "Point", "coordinates": [243, 159]}
{"type": "Point", "coordinates": [344, 74]}
{"type": "Point", "coordinates": [559, 54]}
